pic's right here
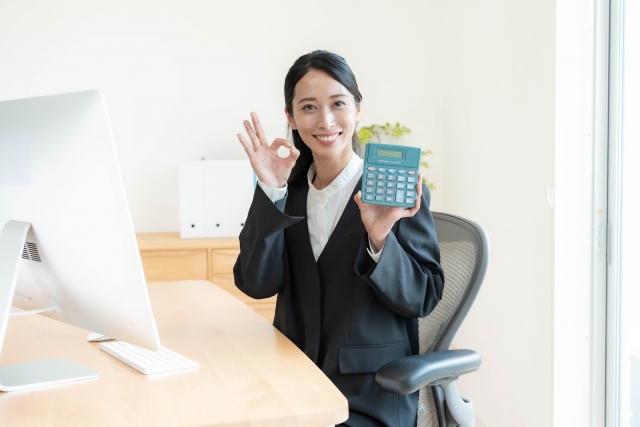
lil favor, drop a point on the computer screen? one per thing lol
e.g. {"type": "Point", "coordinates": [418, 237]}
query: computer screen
{"type": "Point", "coordinates": [59, 171]}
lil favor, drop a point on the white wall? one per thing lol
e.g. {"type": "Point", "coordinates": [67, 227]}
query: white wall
{"type": "Point", "coordinates": [493, 90]}
{"type": "Point", "coordinates": [179, 77]}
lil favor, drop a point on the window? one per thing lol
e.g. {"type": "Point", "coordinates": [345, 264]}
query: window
{"type": "Point", "coordinates": [623, 263]}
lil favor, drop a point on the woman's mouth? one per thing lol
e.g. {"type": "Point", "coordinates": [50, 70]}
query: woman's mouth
{"type": "Point", "coordinates": [328, 139]}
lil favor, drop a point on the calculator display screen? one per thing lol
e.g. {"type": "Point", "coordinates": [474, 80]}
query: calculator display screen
{"type": "Point", "coordinates": [390, 153]}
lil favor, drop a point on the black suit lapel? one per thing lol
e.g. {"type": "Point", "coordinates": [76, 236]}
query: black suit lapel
{"type": "Point", "coordinates": [344, 227]}
{"type": "Point", "coordinates": [297, 206]}
{"type": "Point", "coordinates": [303, 265]}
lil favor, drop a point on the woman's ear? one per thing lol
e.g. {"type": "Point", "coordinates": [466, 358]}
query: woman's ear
{"type": "Point", "coordinates": [358, 111]}
{"type": "Point", "coordinates": [290, 121]}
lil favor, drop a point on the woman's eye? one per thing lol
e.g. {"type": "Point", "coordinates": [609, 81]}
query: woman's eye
{"type": "Point", "coordinates": [308, 107]}
{"type": "Point", "coordinates": [340, 103]}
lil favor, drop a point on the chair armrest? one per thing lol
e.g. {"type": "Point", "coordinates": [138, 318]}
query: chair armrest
{"type": "Point", "coordinates": [411, 373]}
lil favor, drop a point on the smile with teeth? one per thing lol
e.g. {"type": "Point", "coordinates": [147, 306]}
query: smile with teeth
{"type": "Point", "coordinates": [328, 138]}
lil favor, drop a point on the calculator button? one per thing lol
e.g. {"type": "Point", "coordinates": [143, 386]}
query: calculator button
{"type": "Point", "coordinates": [381, 176]}
{"type": "Point", "coordinates": [412, 172]}
{"type": "Point", "coordinates": [402, 178]}
{"type": "Point", "coordinates": [379, 184]}
{"type": "Point", "coordinates": [390, 191]}
{"type": "Point", "coordinates": [400, 185]}
{"type": "Point", "coordinates": [368, 197]}
{"type": "Point", "coordinates": [391, 171]}
{"type": "Point", "coordinates": [382, 170]}
{"type": "Point", "coordinates": [399, 196]}
{"type": "Point", "coordinates": [411, 186]}
{"type": "Point", "coordinates": [388, 199]}
{"type": "Point", "coordinates": [409, 201]}
{"type": "Point", "coordinates": [411, 179]}
{"type": "Point", "coordinates": [380, 191]}
{"type": "Point", "coordinates": [370, 183]}
{"type": "Point", "coordinates": [369, 190]}
{"type": "Point", "coordinates": [402, 171]}
{"type": "Point", "coordinates": [390, 185]}
{"type": "Point", "coordinates": [379, 198]}
{"type": "Point", "coordinates": [411, 193]}
{"type": "Point", "coordinates": [391, 177]}
{"type": "Point", "coordinates": [371, 168]}
{"type": "Point", "coordinates": [371, 175]}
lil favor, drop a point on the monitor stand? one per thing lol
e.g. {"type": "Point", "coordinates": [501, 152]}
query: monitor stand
{"type": "Point", "coordinates": [36, 373]}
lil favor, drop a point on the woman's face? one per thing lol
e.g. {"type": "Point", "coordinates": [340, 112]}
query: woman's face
{"type": "Point", "coordinates": [324, 114]}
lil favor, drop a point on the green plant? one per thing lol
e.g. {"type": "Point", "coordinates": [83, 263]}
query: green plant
{"type": "Point", "coordinates": [367, 133]}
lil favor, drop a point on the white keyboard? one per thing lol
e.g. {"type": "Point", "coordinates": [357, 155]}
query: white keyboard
{"type": "Point", "coordinates": [147, 361]}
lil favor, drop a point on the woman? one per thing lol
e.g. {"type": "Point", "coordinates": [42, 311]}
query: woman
{"type": "Point", "coordinates": [351, 278]}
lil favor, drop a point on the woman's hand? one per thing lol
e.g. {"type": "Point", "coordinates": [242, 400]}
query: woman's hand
{"type": "Point", "coordinates": [379, 219]}
{"type": "Point", "coordinates": [271, 169]}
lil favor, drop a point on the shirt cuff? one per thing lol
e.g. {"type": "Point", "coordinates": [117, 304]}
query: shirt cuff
{"type": "Point", "coordinates": [274, 194]}
{"type": "Point", "coordinates": [375, 256]}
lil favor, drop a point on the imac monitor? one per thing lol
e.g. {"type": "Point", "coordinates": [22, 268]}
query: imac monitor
{"type": "Point", "coordinates": [60, 183]}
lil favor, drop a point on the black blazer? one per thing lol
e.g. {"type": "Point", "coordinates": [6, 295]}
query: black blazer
{"type": "Point", "coordinates": [347, 313]}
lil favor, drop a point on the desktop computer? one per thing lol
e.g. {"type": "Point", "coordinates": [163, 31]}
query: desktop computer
{"type": "Point", "coordinates": [68, 250]}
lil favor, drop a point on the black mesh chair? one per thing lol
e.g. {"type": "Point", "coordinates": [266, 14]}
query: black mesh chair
{"type": "Point", "coordinates": [464, 255]}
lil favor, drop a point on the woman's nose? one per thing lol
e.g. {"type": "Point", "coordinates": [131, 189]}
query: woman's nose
{"type": "Point", "coordinates": [326, 120]}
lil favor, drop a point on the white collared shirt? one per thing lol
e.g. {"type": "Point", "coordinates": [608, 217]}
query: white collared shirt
{"type": "Point", "coordinates": [325, 207]}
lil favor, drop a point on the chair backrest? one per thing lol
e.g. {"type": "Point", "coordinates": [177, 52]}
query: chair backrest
{"type": "Point", "coordinates": [464, 256]}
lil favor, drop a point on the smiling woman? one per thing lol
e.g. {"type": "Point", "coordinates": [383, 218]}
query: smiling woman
{"type": "Point", "coordinates": [351, 278]}
{"type": "Point", "coordinates": [311, 118]}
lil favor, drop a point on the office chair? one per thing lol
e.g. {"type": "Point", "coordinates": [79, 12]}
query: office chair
{"type": "Point", "coordinates": [464, 254]}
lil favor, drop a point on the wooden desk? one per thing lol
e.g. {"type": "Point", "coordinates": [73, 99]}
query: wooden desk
{"type": "Point", "coordinates": [165, 256]}
{"type": "Point", "coordinates": [249, 374]}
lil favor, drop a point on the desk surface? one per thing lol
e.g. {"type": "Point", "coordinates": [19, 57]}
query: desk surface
{"type": "Point", "coordinates": [249, 374]}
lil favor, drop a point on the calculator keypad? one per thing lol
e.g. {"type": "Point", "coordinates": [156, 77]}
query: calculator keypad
{"type": "Point", "coordinates": [391, 185]}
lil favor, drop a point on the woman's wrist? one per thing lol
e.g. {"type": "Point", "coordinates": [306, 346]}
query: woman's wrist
{"type": "Point", "coordinates": [378, 241]}
{"type": "Point", "coordinates": [274, 182]}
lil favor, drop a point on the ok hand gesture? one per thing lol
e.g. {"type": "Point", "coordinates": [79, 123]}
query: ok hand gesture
{"type": "Point", "coordinates": [271, 169]}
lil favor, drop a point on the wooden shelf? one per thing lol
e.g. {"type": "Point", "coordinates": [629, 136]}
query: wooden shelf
{"type": "Point", "coordinates": [167, 257]}
{"type": "Point", "coordinates": [172, 241]}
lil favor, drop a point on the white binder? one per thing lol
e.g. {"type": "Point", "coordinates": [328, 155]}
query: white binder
{"type": "Point", "coordinates": [215, 196]}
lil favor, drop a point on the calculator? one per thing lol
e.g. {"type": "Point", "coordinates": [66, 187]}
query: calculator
{"type": "Point", "coordinates": [390, 175]}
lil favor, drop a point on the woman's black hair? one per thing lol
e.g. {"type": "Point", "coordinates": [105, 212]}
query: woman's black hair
{"type": "Point", "coordinates": [336, 67]}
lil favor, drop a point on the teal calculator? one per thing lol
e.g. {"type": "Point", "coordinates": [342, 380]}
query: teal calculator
{"type": "Point", "coordinates": [390, 175]}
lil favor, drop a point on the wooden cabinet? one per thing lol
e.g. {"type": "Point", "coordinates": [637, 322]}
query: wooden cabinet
{"type": "Point", "coordinates": [167, 257]}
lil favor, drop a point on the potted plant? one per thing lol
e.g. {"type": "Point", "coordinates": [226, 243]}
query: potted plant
{"type": "Point", "coordinates": [366, 134]}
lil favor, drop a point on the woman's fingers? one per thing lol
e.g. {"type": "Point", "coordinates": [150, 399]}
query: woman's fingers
{"type": "Point", "coordinates": [281, 142]}
{"type": "Point", "coordinates": [252, 135]}
{"type": "Point", "coordinates": [245, 144]}
{"type": "Point", "coordinates": [259, 131]}
{"type": "Point", "coordinates": [416, 208]}
{"type": "Point", "coordinates": [358, 199]}
{"type": "Point", "coordinates": [294, 153]}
